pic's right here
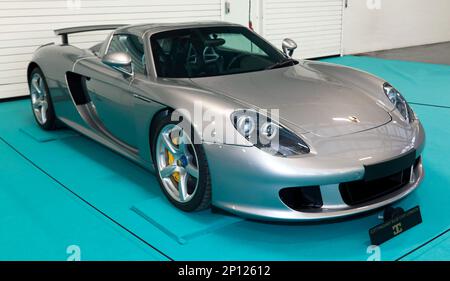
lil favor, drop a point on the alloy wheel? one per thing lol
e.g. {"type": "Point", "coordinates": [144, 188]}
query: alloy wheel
{"type": "Point", "coordinates": [177, 163]}
{"type": "Point", "coordinates": [39, 98]}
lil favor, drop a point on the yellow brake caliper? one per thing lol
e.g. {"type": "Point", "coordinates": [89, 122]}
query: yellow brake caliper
{"type": "Point", "coordinates": [171, 160]}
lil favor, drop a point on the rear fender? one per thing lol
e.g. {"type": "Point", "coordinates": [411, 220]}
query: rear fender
{"type": "Point", "coordinates": [55, 61]}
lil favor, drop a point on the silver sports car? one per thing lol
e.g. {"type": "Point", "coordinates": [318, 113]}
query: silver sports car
{"type": "Point", "coordinates": [226, 119]}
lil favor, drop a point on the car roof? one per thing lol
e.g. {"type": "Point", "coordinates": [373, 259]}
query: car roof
{"type": "Point", "coordinates": [141, 29]}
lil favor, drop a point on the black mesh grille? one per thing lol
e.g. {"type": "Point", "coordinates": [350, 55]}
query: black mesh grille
{"type": "Point", "coordinates": [359, 192]}
{"type": "Point", "coordinates": [302, 198]}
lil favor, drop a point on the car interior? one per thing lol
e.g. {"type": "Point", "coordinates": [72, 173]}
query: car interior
{"type": "Point", "coordinates": [200, 53]}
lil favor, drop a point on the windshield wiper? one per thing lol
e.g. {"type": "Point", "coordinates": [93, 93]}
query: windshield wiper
{"type": "Point", "coordinates": [283, 63]}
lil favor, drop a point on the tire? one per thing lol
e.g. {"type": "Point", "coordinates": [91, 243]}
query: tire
{"type": "Point", "coordinates": [41, 101]}
{"type": "Point", "coordinates": [197, 198]}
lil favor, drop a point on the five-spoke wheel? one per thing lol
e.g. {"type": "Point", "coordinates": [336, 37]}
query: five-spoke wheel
{"type": "Point", "coordinates": [181, 167]}
{"type": "Point", "coordinates": [41, 101]}
{"type": "Point", "coordinates": [177, 163]}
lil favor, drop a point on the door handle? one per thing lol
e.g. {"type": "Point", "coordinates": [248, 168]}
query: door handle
{"type": "Point", "coordinates": [227, 7]}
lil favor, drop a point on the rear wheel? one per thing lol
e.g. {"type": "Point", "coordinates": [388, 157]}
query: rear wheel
{"type": "Point", "coordinates": [181, 166]}
{"type": "Point", "coordinates": [41, 102]}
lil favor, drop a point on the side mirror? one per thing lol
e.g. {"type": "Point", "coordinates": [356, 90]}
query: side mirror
{"type": "Point", "coordinates": [120, 61]}
{"type": "Point", "coordinates": [288, 46]}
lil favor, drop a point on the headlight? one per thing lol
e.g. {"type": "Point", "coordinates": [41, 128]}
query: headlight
{"type": "Point", "coordinates": [399, 102]}
{"type": "Point", "coordinates": [268, 135]}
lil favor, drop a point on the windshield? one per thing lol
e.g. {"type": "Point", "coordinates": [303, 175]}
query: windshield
{"type": "Point", "coordinates": [212, 51]}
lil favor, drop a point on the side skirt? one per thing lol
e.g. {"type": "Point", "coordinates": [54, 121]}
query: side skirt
{"type": "Point", "coordinates": [109, 144]}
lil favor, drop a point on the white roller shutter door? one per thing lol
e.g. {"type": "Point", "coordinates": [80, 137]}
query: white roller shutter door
{"type": "Point", "coordinates": [316, 25]}
{"type": "Point", "coordinates": [27, 24]}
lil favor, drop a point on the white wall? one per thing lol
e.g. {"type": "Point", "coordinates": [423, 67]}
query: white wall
{"type": "Point", "coordinates": [238, 11]}
{"type": "Point", "coordinates": [371, 25]}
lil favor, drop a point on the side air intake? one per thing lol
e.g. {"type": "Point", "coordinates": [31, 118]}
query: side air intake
{"type": "Point", "coordinates": [77, 87]}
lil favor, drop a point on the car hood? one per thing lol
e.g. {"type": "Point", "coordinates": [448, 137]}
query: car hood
{"type": "Point", "coordinates": [313, 100]}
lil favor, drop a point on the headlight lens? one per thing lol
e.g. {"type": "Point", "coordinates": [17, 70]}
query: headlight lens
{"type": "Point", "coordinates": [399, 102]}
{"type": "Point", "coordinates": [268, 135]}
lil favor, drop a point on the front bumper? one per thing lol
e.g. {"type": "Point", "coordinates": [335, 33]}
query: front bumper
{"type": "Point", "coordinates": [247, 181]}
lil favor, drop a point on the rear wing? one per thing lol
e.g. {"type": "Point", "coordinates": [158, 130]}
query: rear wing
{"type": "Point", "coordinates": [64, 32]}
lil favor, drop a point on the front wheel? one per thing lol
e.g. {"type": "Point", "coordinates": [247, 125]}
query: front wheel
{"type": "Point", "coordinates": [181, 165]}
{"type": "Point", "coordinates": [41, 101]}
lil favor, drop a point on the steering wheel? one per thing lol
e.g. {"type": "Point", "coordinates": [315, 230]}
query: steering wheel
{"type": "Point", "coordinates": [235, 60]}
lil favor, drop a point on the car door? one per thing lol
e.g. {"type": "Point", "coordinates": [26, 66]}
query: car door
{"type": "Point", "coordinates": [111, 92]}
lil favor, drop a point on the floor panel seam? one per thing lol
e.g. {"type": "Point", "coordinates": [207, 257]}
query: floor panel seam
{"type": "Point", "coordinates": [84, 200]}
{"type": "Point", "coordinates": [430, 105]}
{"type": "Point", "coordinates": [424, 244]}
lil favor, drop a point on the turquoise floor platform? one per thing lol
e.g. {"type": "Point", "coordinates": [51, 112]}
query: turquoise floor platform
{"type": "Point", "coordinates": [420, 83]}
{"type": "Point", "coordinates": [40, 221]}
{"type": "Point", "coordinates": [59, 189]}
